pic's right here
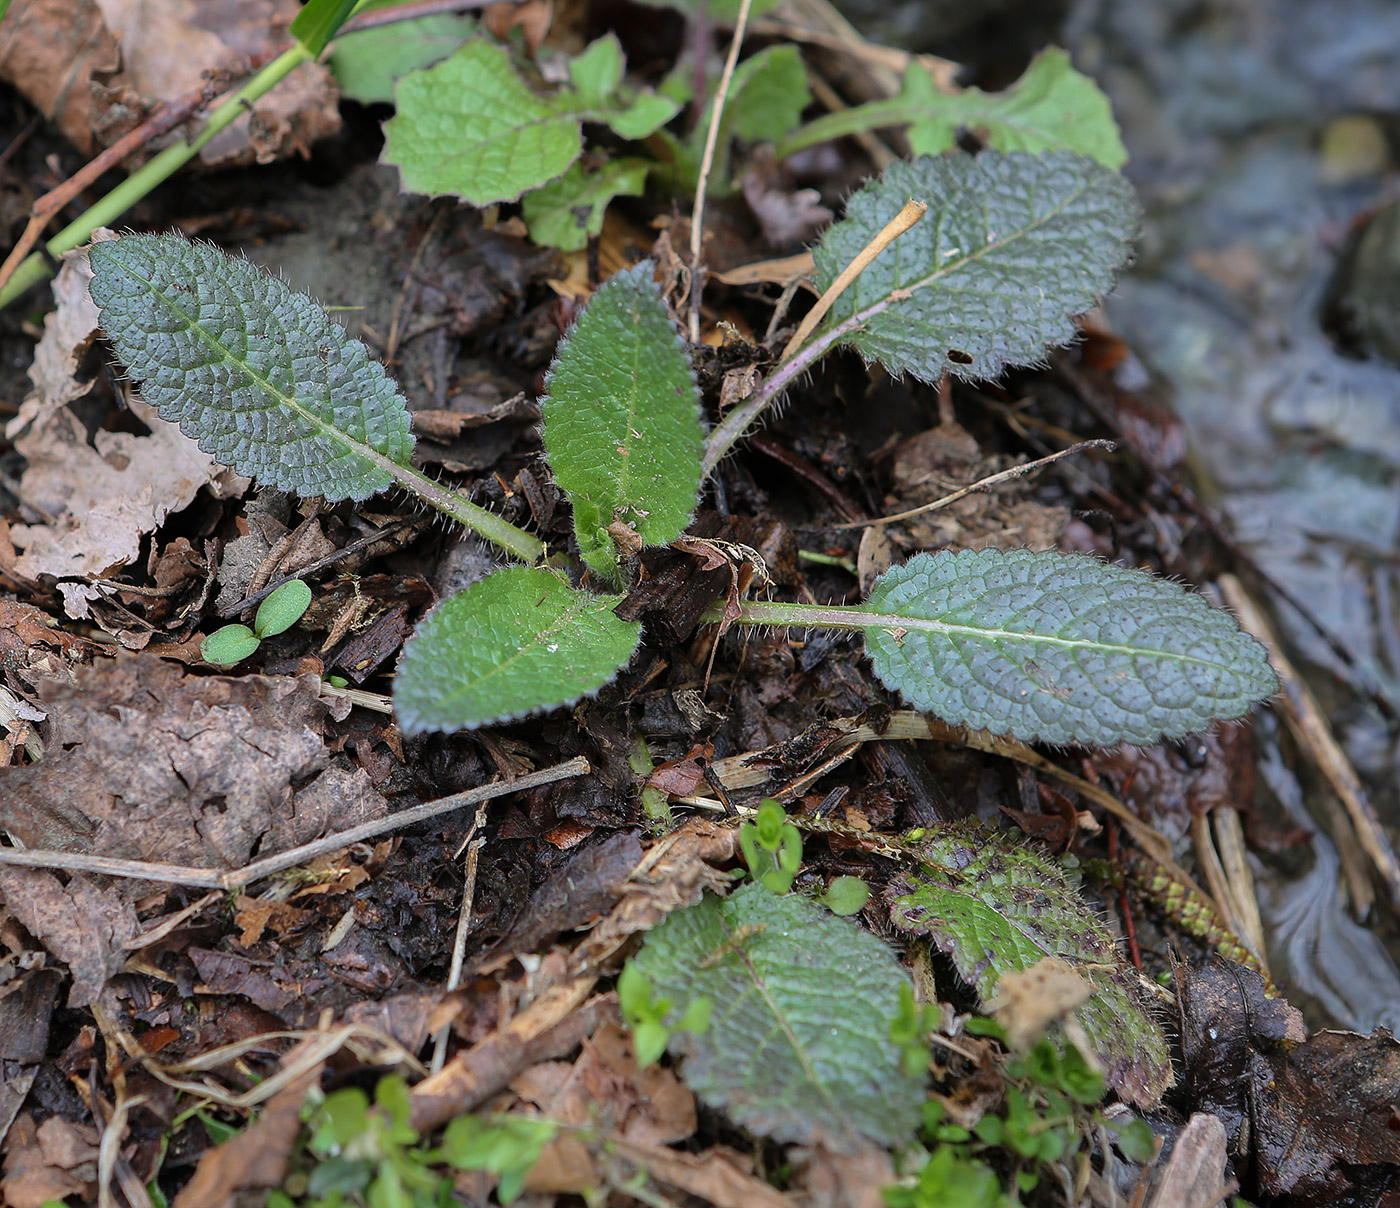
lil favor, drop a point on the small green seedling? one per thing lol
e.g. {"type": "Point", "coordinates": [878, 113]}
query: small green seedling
{"type": "Point", "coordinates": [648, 1017]}
{"type": "Point", "coordinates": [506, 1146]}
{"type": "Point", "coordinates": [278, 613]}
{"type": "Point", "coordinates": [772, 847]}
{"type": "Point", "coordinates": [1050, 1112]}
{"type": "Point", "coordinates": [846, 896]}
{"type": "Point", "coordinates": [910, 1030]}
{"type": "Point", "coordinates": [369, 1153]}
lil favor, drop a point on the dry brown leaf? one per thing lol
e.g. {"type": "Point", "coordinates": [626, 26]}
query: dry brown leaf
{"type": "Point", "coordinates": [604, 1086]}
{"type": "Point", "coordinates": [719, 1175]}
{"type": "Point", "coordinates": [26, 1006]}
{"type": "Point", "coordinates": [836, 1178]}
{"type": "Point", "coordinates": [50, 1162]}
{"type": "Point", "coordinates": [82, 924]}
{"type": "Point", "coordinates": [150, 763]}
{"type": "Point", "coordinates": [1029, 1000]}
{"type": "Point", "coordinates": [69, 330]}
{"type": "Point", "coordinates": [256, 915]}
{"type": "Point", "coordinates": [97, 68]}
{"type": "Point", "coordinates": [253, 1161]}
{"type": "Point", "coordinates": [104, 496]}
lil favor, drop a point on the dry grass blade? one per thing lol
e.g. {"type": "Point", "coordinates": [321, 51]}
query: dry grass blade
{"type": "Point", "coordinates": [1309, 725]}
{"type": "Point", "coordinates": [911, 212]}
{"type": "Point", "coordinates": [697, 218]}
{"type": "Point", "coordinates": [178, 874]}
{"type": "Point", "coordinates": [983, 484]}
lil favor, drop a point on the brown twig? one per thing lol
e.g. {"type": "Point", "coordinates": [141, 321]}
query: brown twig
{"type": "Point", "coordinates": [983, 484]}
{"type": "Point", "coordinates": [697, 217]}
{"type": "Point", "coordinates": [162, 121]}
{"type": "Point", "coordinates": [179, 874]}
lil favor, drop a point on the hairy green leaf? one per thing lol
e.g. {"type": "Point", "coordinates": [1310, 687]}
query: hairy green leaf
{"type": "Point", "coordinates": [1060, 648]}
{"type": "Point", "coordinates": [994, 906]}
{"type": "Point", "coordinates": [622, 420]}
{"type": "Point", "coordinates": [472, 128]}
{"type": "Point", "coordinates": [1012, 248]}
{"type": "Point", "coordinates": [519, 641]}
{"type": "Point", "coordinates": [565, 212]}
{"type": "Point", "coordinates": [799, 1039]}
{"type": "Point", "coordinates": [369, 63]}
{"type": "Point", "coordinates": [252, 370]}
{"type": "Point", "coordinates": [1051, 107]}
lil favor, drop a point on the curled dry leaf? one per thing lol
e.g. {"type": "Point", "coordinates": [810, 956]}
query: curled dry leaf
{"type": "Point", "coordinates": [97, 68]}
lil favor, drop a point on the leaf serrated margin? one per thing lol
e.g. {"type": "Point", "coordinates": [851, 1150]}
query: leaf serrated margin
{"type": "Point", "coordinates": [993, 904]}
{"type": "Point", "coordinates": [799, 1039]}
{"type": "Point", "coordinates": [622, 419]}
{"type": "Point", "coordinates": [1013, 246]}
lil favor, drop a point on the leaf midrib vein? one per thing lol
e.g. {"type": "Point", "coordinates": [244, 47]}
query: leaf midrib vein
{"type": "Point", "coordinates": [573, 611]}
{"type": "Point", "coordinates": [897, 621]}
{"type": "Point", "coordinates": [760, 984]}
{"type": "Point", "coordinates": [324, 427]}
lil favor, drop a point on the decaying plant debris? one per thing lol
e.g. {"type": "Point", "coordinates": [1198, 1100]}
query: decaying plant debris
{"type": "Point", "coordinates": [261, 941]}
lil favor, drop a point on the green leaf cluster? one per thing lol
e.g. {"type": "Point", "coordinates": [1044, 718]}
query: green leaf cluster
{"type": "Point", "coordinates": [471, 127]}
{"type": "Point", "coordinates": [772, 847]}
{"type": "Point", "coordinates": [1049, 1113]}
{"type": "Point", "coordinates": [1041, 646]}
{"type": "Point", "coordinates": [1051, 107]}
{"type": "Point", "coordinates": [652, 1020]}
{"type": "Point", "coordinates": [368, 1153]}
{"type": "Point", "coordinates": [767, 95]}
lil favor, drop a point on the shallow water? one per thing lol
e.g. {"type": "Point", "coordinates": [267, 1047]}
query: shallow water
{"type": "Point", "coordinates": [1234, 115]}
{"type": "Point", "coordinates": [1260, 131]}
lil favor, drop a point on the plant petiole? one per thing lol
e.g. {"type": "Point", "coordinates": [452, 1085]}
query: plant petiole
{"type": "Point", "coordinates": [36, 267]}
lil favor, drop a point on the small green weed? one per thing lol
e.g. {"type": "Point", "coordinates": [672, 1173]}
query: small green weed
{"type": "Point", "coordinates": [276, 614]}
{"type": "Point", "coordinates": [367, 1154]}
{"type": "Point", "coordinates": [1051, 1111]}
{"type": "Point", "coordinates": [651, 1018]}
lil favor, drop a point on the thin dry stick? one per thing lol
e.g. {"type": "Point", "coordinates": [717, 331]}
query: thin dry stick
{"type": "Point", "coordinates": [697, 218]}
{"type": "Point", "coordinates": [1221, 887]}
{"type": "Point", "coordinates": [982, 484]}
{"type": "Point", "coordinates": [873, 146]}
{"type": "Point", "coordinates": [179, 874]}
{"type": "Point", "coordinates": [162, 121]}
{"type": "Point", "coordinates": [1229, 841]}
{"type": "Point", "coordinates": [892, 230]}
{"type": "Point", "coordinates": [1309, 726]}
{"type": "Point", "coordinates": [464, 922]}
